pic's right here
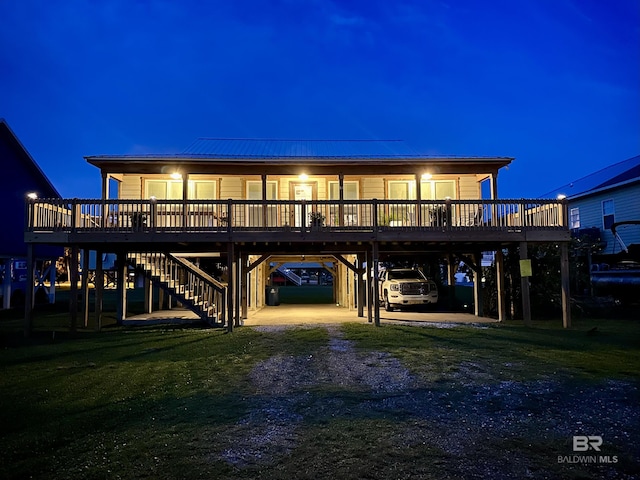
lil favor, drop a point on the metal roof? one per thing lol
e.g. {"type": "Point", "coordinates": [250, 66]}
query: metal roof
{"type": "Point", "coordinates": [278, 156]}
{"type": "Point", "coordinates": [286, 148]}
{"type": "Point", "coordinates": [616, 174]}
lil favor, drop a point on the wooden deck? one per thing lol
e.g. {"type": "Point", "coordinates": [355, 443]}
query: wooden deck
{"type": "Point", "coordinates": [69, 221]}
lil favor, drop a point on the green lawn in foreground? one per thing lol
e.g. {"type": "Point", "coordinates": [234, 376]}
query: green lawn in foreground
{"type": "Point", "coordinates": [154, 402]}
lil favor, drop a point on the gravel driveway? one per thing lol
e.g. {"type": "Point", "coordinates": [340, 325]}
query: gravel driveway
{"type": "Point", "coordinates": [467, 415]}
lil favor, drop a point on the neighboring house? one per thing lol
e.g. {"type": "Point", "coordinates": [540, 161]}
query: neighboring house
{"type": "Point", "coordinates": [22, 177]}
{"type": "Point", "coordinates": [257, 204]}
{"type": "Point", "coordinates": [603, 199]}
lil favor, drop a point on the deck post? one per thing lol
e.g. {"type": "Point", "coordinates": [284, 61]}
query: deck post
{"type": "Point", "coordinates": [340, 199]}
{"type": "Point", "coordinates": [369, 287]}
{"type": "Point", "coordinates": [524, 287]}
{"type": "Point", "coordinates": [336, 284]}
{"type": "Point", "coordinates": [105, 197]}
{"type": "Point", "coordinates": [361, 285]}
{"type": "Point", "coordinates": [121, 287]}
{"type": "Point", "coordinates": [244, 281]}
{"type": "Point", "coordinates": [148, 295]}
{"type": "Point", "coordinates": [477, 286]}
{"type": "Point", "coordinates": [237, 275]}
{"type": "Point", "coordinates": [85, 287]}
{"type": "Point", "coordinates": [565, 281]}
{"type": "Point", "coordinates": [376, 286]}
{"type": "Point", "coordinates": [263, 177]}
{"type": "Point", "coordinates": [6, 283]}
{"type": "Point", "coordinates": [52, 281]}
{"type": "Point", "coordinates": [73, 291]}
{"type": "Point", "coordinates": [29, 297]}
{"type": "Point", "coordinates": [500, 284]}
{"type": "Point", "coordinates": [99, 290]}
{"type": "Point", "coordinates": [185, 199]}
{"type": "Point", "coordinates": [418, 199]}
{"type": "Point", "coordinates": [230, 286]}
{"type": "Point", "coordinates": [451, 280]}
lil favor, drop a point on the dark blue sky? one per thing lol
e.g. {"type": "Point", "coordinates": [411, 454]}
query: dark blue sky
{"type": "Point", "coordinates": [554, 83]}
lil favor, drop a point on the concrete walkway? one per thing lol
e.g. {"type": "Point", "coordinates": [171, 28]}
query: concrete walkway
{"type": "Point", "coordinates": [286, 314]}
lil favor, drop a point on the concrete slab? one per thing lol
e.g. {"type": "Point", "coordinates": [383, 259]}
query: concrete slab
{"type": "Point", "coordinates": [307, 314]}
{"type": "Point", "coordinates": [175, 316]}
{"type": "Point", "coordinates": [285, 314]}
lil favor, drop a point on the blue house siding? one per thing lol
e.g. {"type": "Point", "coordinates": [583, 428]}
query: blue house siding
{"type": "Point", "coordinates": [22, 175]}
{"type": "Point", "coordinates": [626, 200]}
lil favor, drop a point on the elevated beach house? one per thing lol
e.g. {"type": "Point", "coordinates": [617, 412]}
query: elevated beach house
{"type": "Point", "coordinates": [257, 203]}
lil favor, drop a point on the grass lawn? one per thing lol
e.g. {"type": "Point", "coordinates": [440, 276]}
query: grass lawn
{"type": "Point", "coordinates": [183, 402]}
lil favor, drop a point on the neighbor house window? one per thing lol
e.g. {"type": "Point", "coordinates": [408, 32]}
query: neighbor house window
{"type": "Point", "coordinates": [574, 218]}
{"type": "Point", "coordinates": [608, 213]}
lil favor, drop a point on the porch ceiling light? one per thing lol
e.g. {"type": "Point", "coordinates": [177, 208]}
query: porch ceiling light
{"type": "Point", "coordinates": [303, 177]}
{"type": "Point", "coordinates": [176, 175]}
{"type": "Point", "coordinates": [32, 195]}
{"type": "Point", "coordinates": [426, 176]}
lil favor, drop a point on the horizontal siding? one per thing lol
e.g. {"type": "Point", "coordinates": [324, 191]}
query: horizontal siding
{"type": "Point", "coordinates": [468, 188]}
{"type": "Point", "coordinates": [130, 188]}
{"type": "Point", "coordinates": [372, 187]}
{"type": "Point", "coordinates": [627, 207]}
{"type": "Point", "coordinates": [232, 187]}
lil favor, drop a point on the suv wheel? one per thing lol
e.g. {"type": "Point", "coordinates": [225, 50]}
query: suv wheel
{"type": "Point", "coordinates": [387, 305]}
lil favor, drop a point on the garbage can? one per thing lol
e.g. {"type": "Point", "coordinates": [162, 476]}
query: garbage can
{"type": "Point", "coordinates": [273, 297]}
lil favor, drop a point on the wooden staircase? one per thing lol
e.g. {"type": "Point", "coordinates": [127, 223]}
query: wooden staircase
{"type": "Point", "coordinates": [192, 287]}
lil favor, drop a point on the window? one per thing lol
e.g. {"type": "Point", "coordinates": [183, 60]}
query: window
{"type": "Point", "coordinates": [164, 190]}
{"type": "Point", "coordinates": [202, 190]}
{"type": "Point", "coordinates": [574, 218]}
{"type": "Point", "coordinates": [401, 190]}
{"type": "Point", "coordinates": [349, 190]}
{"type": "Point", "coordinates": [172, 189]}
{"type": "Point", "coordinates": [437, 189]}
{"type": "Point", "coordinates": [254, 190]}
{"type": "Point", "coordinates": [255, 216]}
{"type": "Point", "coordinates": [608, 213]}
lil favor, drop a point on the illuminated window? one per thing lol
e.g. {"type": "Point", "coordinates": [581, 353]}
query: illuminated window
{"type": "Point", "coordinates": [172, 189]}
{"type": "Point", "coordinates": [254, 190]}
{"type": "Point", "coordinates": [349, 190]}
{"type": "Point", "coordinates": [437, 189]}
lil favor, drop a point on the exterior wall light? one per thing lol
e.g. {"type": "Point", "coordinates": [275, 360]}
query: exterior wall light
{"type": "Point", "coordinates": [426, 176]}
{"type": "Point", "coordinates": [303, 177]}
{"type": "Point", "coordinates": [176, 176]}
{"type": "Point", "coordinates": [32, 195]}
{"type": "Point", "coordinates": [561, 196]}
